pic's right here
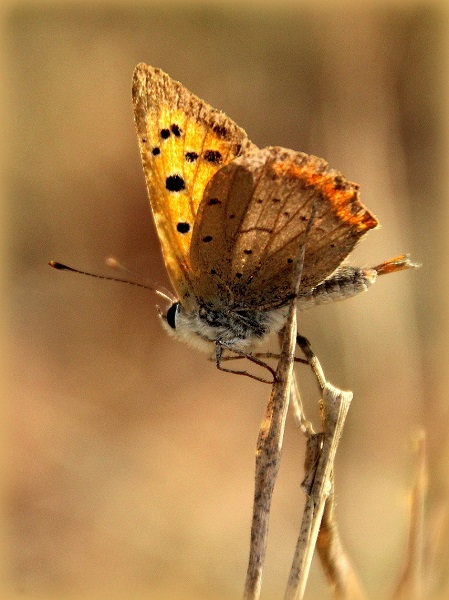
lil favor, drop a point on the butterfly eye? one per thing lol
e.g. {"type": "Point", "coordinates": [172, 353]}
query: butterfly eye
{"type": "Point", "coordinates": [171, 314]}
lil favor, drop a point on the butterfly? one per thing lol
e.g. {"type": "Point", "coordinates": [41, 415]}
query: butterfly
{"type": "Point", "coordinates": [232, 219]}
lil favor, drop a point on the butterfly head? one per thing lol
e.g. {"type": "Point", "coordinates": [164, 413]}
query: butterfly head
{"type": "Point", "coordinates": [185, 325]}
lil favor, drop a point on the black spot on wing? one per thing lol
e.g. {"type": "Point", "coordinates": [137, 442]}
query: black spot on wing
{"type": "Point", "coordinates": [175, 183]}
{"type": "Point", "coordinates": [183, 227]}
{"type": "Point", "coordinates": [175, 129]}
{"type": "Point", "coordinates": [338, 182]}
{"type": "Point", "coordinates": [220, 130]}
{"type": "Point", "coordinates": [213, 156]}
{"type": "Point", "coordinates": [165, 133]}
{"type": "Point", "coordinates": [191, 156]}
{"type": "Point", "coordinates": [156, 151]}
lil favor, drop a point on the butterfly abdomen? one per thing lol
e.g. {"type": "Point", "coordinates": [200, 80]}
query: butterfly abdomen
{"type": "Point", "coordinates": [345, 282]}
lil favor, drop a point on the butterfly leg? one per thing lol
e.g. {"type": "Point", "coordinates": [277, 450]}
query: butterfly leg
{"type": "Point", "coordinates": [273, 355]}
{"type": "Point", "coordinates": [311, 360]}
{"type": "Point", "coordinates": [219, 346]}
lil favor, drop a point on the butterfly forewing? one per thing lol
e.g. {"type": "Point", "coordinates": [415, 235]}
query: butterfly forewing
{"type": "Point", "coordinates": [252, 221]}
{"type": "Point", "coordinates": [183, 142]}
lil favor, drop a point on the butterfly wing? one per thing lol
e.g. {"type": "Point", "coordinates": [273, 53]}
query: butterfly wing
{"type": "Point", "coordinates": [251, 226]}
{"type": "Point", "coordinates": [183, 142]}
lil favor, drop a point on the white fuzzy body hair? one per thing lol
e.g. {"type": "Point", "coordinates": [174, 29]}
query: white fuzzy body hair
{"type": "Point", "coordinates": [196, 332]}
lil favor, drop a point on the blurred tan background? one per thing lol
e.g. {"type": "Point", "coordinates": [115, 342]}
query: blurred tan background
{"type": "Point", "coordinates": [128, 463]}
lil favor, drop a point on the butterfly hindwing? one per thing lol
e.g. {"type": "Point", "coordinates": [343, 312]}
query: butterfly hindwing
{"type": "Point", "coordinates": [183, 142]}
{"type": "Point", "coordinates": [252, 221]}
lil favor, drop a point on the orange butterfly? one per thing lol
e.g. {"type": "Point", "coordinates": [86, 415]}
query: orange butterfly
{"type": "Point", "coordinates": [232, 219]}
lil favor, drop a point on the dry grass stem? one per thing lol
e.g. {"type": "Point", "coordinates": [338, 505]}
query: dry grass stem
{"type": "Point", "coordinates": [334, 560]}
{"type": "Point", "coordinates": [436, 550]}
{"type": "Point", "coordinates": [268, 457]}
{"type": "Point", "coordinates": [297, 410]}
{"type": "Point", "coordinates": [320, 456]}
{"type": "Point", "coordinates": [312, 360]}
{"type": "Point", "coordinates": [410, 585]}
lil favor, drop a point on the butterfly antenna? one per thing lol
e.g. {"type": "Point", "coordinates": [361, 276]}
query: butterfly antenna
{"type": "Point", "coordinates": [62, 267]}
{"type": "Point", "coordinates": [113, 263]}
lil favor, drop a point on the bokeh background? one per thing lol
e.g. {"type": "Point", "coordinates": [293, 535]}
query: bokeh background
{"type": "Point", "coordinates": [128, 458]}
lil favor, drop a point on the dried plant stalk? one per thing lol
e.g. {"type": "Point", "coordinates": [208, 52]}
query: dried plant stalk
{"type": "Point", "coordinates": [410, 585]}
{"type": "Point", "coordinates": [268, 457]}
{"type": "Point", "coordinates": [334, 560]}
{"type": "Point", "coordinates": [297, 410]}
{"type": "Point", "coordinates": [320, 456]}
